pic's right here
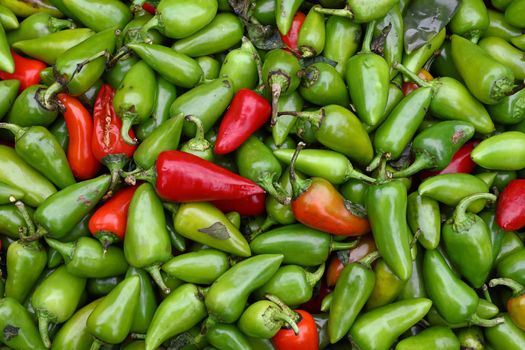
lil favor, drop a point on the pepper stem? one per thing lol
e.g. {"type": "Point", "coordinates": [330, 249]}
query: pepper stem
{"type": "Point", "coordinates": [43, 324]}
{"type": "Point", "coordinates": [327, 302]}
{"type": "Point", "coordinates": [18, 131]}
{"type": "Point", "coordinates": [48, 99]}
{"type": "Point", "coordinates": [316, 118]}
{"type": "Point", "coordinates": [265, 181]}
{"type": "Point", "coordinates": [268, 222]}
{"type": "Point", "coordinates": [298, 185]}
{"type": "Point", "coordinates": [28, 221]}
{"type": "Point", "coordinates": [460, 216]}
{"type": "Point", "coordinates": [154, 271]}
{"type": "Point", "coordinates": [369, 34]}
{"type": "Point", "coordinates": [65, 249]}
{"type": "Point", "coordinates": [335, 246]}
{"type": "Point", "coordinates": [344, 12]}
{"type": "Point", "coordinates": [421, 162]}
{"type": "Point", "coordinates": [248, 46]}
{"type": "Point", "coordinates": [398, 66]}
{"type": "Point", "coordinates": [115, 163]}
{"type": "Point", "coordinates": [281, 316]}
{"type": "Point", "coordinates": [56, 24]}
{"type": "Point", "coordinates": [486, 292]}
{"type": "Point", "coordinates": [127, 122]}
{"type": "Point", "coordinates": [370, 258]}
{"type": "Point", "coordinates": [97, 344]}
{"type": "Point", "coordinates": [354, 174]}
{"type": "Point", "coordinates": [313, 277]}
{"type": "Point", "coordinates": [199, 142]}
{"type": "Point", "coordinates": [285, 308]}
{"type": "Point", "coordinates": [374, 164]}
{"type": "Point", "coordinates": [517, 288]}
{"type": "Point", "coordinates": [152, 23]}
{"type": "Point", "coordinates": [148, 175]}
{"type": "Point", "coordinates": [482, 322]}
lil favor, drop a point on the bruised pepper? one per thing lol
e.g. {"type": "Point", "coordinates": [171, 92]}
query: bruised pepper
{"type": "Point", "coordinates": [317, 204]}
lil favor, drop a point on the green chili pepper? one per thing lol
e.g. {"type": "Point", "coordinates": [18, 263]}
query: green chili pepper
{"type": "Point", "coordinates": [27, 110]}
{"type": "Point", "coordinates": [263, 319]}
{"type": "Point", "coordinates": [8, 93]}
{"type": "Point", "coordinates": [9, 194]}
{"type": "Point", "coordinates": [240, 66]}
{"type": "Point", "coordinates": [264, 11]}
{"type": "Point", "coordinates": [387, 286]}
{"type": "Point", "coordinates": [518, 41]}
{"type": "Point", "coordinates": [434, 147]}
{"type": "Point", "coordinates": [74, 333]}
{"type": "Point", "coordinates": [505, 335]}
{"type": "Point", "coordinates": [450, 189]}
{"type": "Point", "coordinates": [198, 145]}
{"type": "Point", "coordinates": [206, 102]}
{"type": "Point", "coordinates": [177, 68]}
{"type": "Point", "coordinates": [367, 76]}
{"type": "Point", "coordinates": [343, 37]}
{"type": "Point", "coordinates": [312, 36]}
{"type": "Point", "coordinates": [8, 19]}
{"type": "Point", "coordinates": [55, 299]}
{"type": "Point", "coordinates": [506, 54]}
{"type": "Point", "coordinates": [424, 216]}
{"type": "Point", "coordinates": [386, 205]}
{"type": "Point", "coordinates": [180, 19]}
{"type": "Point", "coordinates": [499, 27]}
{"type": "Point", "coordinates": [102, 286]}
{"type": "Point", "coordinates": [510, 110]}
{"type": "Point", "coordinates": [292, 284]}
{"type": "Point", "coordinates": [470, 20]}
{"type": "Point", "coordinates": [223, 32]}
{"type": "Point", "coordinates": [471, 338]}
{"type": "Point", "coordinates": [11, 221]}
{"type": "Point", "coordinates": [293, 240]}
{"type": "Point", "coordinates": [285, 11]}
{"type": "Point", "coordinates": [99, 14]}
{"type": "Point", "coordinates": [280, 213]}
{"type": "Point", "coordinates": [433, 338]}
{"type": "Point", "coordinates": [514, 13]}
{"type": "Point", "coordinates": [415, 286]}
{"type": "Point", "coordinates": [227, 336]}
{"type": "Point", "coordinates": [111, 320]}
{"type": "Point", "coordinates": [227, 296]}
{"type": "Point", "coordinates": [135, 97]}
{"type": "Point", "coordinates": [180, 311]}
{"type": "Point", "coordinates": [490, 81]}
{"type": "Point", "coordinates": [132, 32]}
{"type": "Point", "coordinates": [512, 266]}
{"type": "Point", "coordinates": [38, 147]}
{"type": "Point", "coordinates": [285, 123]}
{"type": "Point", "coordinates": [362, 11]}
{"type": "Point", "coordinates": [321, 84]}
{"type": "Point", "coordinates": [467, 241]}
{"type": "Point", "coordinates": [210, 67]}
{"type": "Point", "coordinates": [201, 267]}
{"type": "Point", "coordinates": [204, 223]}
{"type": "Point", "coordinates": [7, 62]}
{"type": "Point", "coordinates": [147, 244]}
{"type": "Point", "coordinates": [501, 152]}
{"type": "Point", "coordinates": [496, 233]}
{"type": "Point", "coordinates": [147, 302]}
{"type": "Point", "coordinates": [379, 328]}
{"type": "Point", "coordinates": [118, 71]}
{"type": "Point", "coordinates": [443, 65]}
{"type": "Point", "coordinates": [37, 26]}
{"type": "Point", "coordinates": [510, 244]}
{"type": "Point", "coordinates": [18, 329]}
{"type": "Point", "coordinates": [354, 190]}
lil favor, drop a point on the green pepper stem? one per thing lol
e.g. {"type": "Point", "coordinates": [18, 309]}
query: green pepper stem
{"type": "Point", "coordinates": [517, 288]}
{"type": "Point", "coordinates": [152, 23]}
{"type": "Point", "coordinates": [370, 258]}
{"type": "Point", "coordinates": [335, 246]}
{"type": "Point", "coordinates": [137, 336]}
{"type": "Point", "coordinates": [316, 118]}
{"type": "Point", "coordinates": [173, 208]}
{"type": "Point", "coordinates": [374, 164]}
{"type": "Point", "coordinates": [154, 271]}
{"type": "Point", "coordinates": [298, 185]}
{"type": "Point", "coordinates": [16, 130]}
{"type": "Point", "coordinates": [127, 122]}
{"type": "Point", "coordinates": [482, 322]}
{"type": "Point", "coordinates": [28, 221]}
{"type": "Point", "coordinates": [247, 45]}
{"type": "Point", "coordinates": [281, 316]}
{"type": "Point", "coordinates": [460, 216]}
{"type": "Point", "coordinates": [369, 34]}
{"type": "Point", "coordinates": [97, 344]}
{"type": "Point", "coordinates": [65, 249]}
{"type": "Point", "coordinates": [398, 66]}
{"type": "Point", "coordinates": [43, 324]}
{"type": "Point", "coordinates": [115, 163]}
{"type": "Point", "coordinates": [355, 174]}
{"type": "Point", "coordinates": [199, 142]}
{"type": "Point", "coordinates": [268, 222]}
{"type": "Point", "coordinates": [265, 181]}
{"type": "Point", "coordinates": [56, 24]}
{"type": "Point", "coordinates": [421, 162]}
{"type": "Point", "coordinates": [344, 12]}
{"type": "Point", "coordinates": [48, 99]}
{"type": "Point", "coordinates": [327, 302]}
{"type": "Point", "coordinates": [486, 293]}
{"type": "Point", "coordinates": [284, 308]}
{"type": "Point", "coordinates": [123, 53]}
{"type": "Point", "coordinates": [313, 277]}
{"type": "Point", "coordinates": [148, 175]}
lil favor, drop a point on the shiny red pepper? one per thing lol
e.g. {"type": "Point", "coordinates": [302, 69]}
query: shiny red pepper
{"type": "Point", "coordinates": [149, 7]}
{"type": "Point", "coordinates": [510, 209]}
{"type": "Point", "coordinates": [307, 338]}
{"type": "Point", "coordinates": [460, 163]}
{"type": "Point", "coordinates": [79, 125]}
{"type": "Point", "coordinates": [253, 205]}
{"type": "Point", "coordinates": [290, 39]}
{"type": "Point", "coordinates": [108, 223]}
{"type": "Point", "coordinates": [27, 71]}
{"type": "Point", "coordinates": [408, 87]}
{"type": "Point", "coordinates": [317, 204]}
{"type": "Point", "coordinates": [107, 145]}
{"type": "Point", "coordinates": [248, 111]}
{"type": "Point", "coordinates": [184, 177]}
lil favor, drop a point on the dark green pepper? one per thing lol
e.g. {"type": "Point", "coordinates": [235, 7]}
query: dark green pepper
{"type": "Point", "coordinates": [114, 75]}
{"type": "Point", "coordinates": [424, 216]}
{"type": "Point", "coordinates": [443, 65]}
{"type": "Point", "coordinates": [200, 267]}
{"type": "Point", "coordinates": [321, 84]}
{"type": "Point", "coordinates": [102, 286]}
{"type": "Point", "coordinates": [343, 37]}
{"type": "Point", "coordinates": [510, 110]}
{"type": "Point", "coordinates": [510, 244]}
{"type": "Point", "coordinates": [18, 330]}
{"type": "Point", "coordinates": [512, 266]}
{"type": "Point", "coordinates": [11, 221]}
{"type": "Point", "coordinates": [147, 303]}
{"type": "Point", "coordinates": [8, 93]}
{"type": "Point", "coordinates": [9, 194]}
{"type": "Point", "coordinates": [28, 111]}
{"type": "Point", "coordinates": [505, 336]}
{"type": "Point", "coordinates": [415, 286]}
{"type": "Point", "coordinates": [264, 11]}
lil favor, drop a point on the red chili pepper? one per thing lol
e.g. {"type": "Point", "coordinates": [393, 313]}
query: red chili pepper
{"type": "Point", "coordinates": [80, 128]}
{"type": "Point", "coordinates": [248, 111]}
{"type": "Point", "coordinates": [253, 205]}
{"type": "Point", "coordinates": [184, 177]}
{"type": "Point", "coordinates": [510, 209]}
{"type": "Point", "coordinates": [460, 163]}
{"type": "Point", "coordinates": [408, 87]}
{"type": "Point", "coordinates": [27, 71]}
{"type": "Point", "coordinates": [290, 39]}
{"type": "Point", "coordinates": [107, 145]}
{"type": "Point", "coordinates": [149, 7]}
{"type": "Point", "coordinates": [108, 224]}
{"type": "Point", "coordinates": [307, 338]}
{"type": "Point", "coordinates": [317, 204]}
{"type": "Point", "coordinates": [313, 305]}
{"type": "Point", "coordinates": [365, 246]}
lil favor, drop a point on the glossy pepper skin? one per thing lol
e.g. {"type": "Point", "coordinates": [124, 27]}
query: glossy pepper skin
{"type": "Point", "coordinates": [180, 311]}
{"type": "Point", "coordinates": [286, 339]}
{"type": "Point", "coordinates": [240, 65]}
{"type": "Point", "coordinates": [28, 111]}
{"type": "Point", "coordinates": [312, 36]}
{"type": "Point", "coordinates": [466, 234]}
{"type": "Point", "coordinates": [423, 215]}
{"type": "Point", "coordinates": [27, 71]}
{"type": "Point", "coordinates": [501, 152]}
{"type": "Point", "coordinates": [8, 92]}
{"type": "Point", "coordinates": [362, 11]}
{"type": "Point", "coordinates": [200, 267]}
{"type": "Point", "coordinates": [433, 338]}
{"type": "Point", "coordinates": [248, 111]}
{"type": "Point", "coordinates": [20, 331]}
{"type": "Point", "coordinates": [505, 335]}
{"type": "Point", "coordinates": [285, 11]}
{"type": "Point", "coordinates": [108, 223]}
{"type": "Point", "coordinates": [37, 26]}
{"type": "Point", "coordinates": [378, 329]}
{"type": "Point", "coordinates": [38, 147]}
{"type": "Point", "coordinates": [147, 244]}
{"type": "Point", "coordinates": [227, 296]}
{"type": "Point", "coordinates": [99, 15]}
{"type": "Point", "coordinates": [509, 211]}
{"type": "Point", "coordinates": [290, 39]}
{"type": "Point", "coordinates": [79, 122]}
{"type": "Point", "coordinates": [264, 318]}
{"type": "Point", "coordinates": [514, 13]}
{"type": "Point", "coordinates": [321, 84]}
{"type": "Point", "coordinates": [503, 52]}
{"type": "Point", "coordinates": [512, 265]}
{"type": "Point", "coordinates": [387, 286]}
{"type": "Point", "coordinates": [460, 162]}
{"type": "Point", "coordinates": [510, 110]}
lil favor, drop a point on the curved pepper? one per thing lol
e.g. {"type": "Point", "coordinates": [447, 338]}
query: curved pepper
{"type": "Point", "coordinates": [240, 65]}
{"type": "Point", "coordinates": [388, 34]}
{"type": "Point", "coordinates": [36, 26]}
{"type": "Point", "coordinates": [343, 37]}
{"type": "Point", "coordinates": [311, 38]}
{"type": "Point", "coordinates": [514, 13]}
{"type": "Point", "coordinates": [510, 110]}
{"type": "Point", "coordinates": [506, 54]}
{"type": "Point", "coordinates": [510, 213]}
{"type": "Point", "coordinates": [290, 39]}
{"type": "Point", "coordinates": [285, 11]}
{"type": "Point", "coordinates": [424, 216]}
{"type": "Point", "coordinates": [512, 266]}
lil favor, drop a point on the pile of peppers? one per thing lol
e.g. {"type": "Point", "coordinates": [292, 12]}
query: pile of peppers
{"type": "Point", "coordinates": [262, 174]}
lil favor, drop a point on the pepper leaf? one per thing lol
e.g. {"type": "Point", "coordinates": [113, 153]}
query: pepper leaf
{"type": "Point", "coordinates": [264, 37]}
{"type": "Point", "coordinates": [424, 19]}
{"type": "Point", "coordinates": [305, 62]}
{"type": "Point", "coordinates": [10, 332]}
{"type": "Point", "coordinates": [217, 231]}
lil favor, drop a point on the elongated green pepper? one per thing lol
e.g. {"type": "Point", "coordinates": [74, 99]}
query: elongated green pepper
{"type": "Point", "coordinates": [8, 93]}
{"type": "Point", "coordinates": [501, 152]}
{"type": "Point", "coordinates": [240, 65]}
{"type": "Point", "coordinates": [424, 216]}
{"type": "Point", "coordinates": [433, 338]}
{"type": "Point", "coordinates": [18, 329]}
{"type": "Point", "coordinates": [99, 14]}
{"type": "Point", "coordinates": [362, 11]}
{"type": "Point", "coordinates": [201, 267]}
{"type": "Point", "coordinates": [503, 52]}
{"type": "Point", "coordinates": [321, 84]}
{"type": "Point", "coordinates": [343, 37]}
{"type": "Point", "coordinates": [505, 335]}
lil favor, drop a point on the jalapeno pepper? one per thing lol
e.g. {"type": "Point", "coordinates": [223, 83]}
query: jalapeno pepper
{"type": "Point", "coordinates": [20, 331]}
{"type": "Point", "coordinates": [501, 152]}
